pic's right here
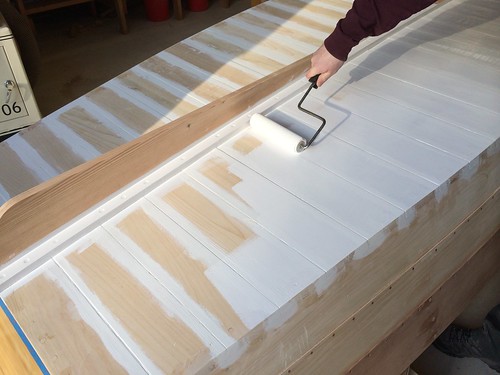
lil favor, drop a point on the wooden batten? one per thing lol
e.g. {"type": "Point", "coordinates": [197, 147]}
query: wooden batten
{"type": "Point", "coordinates": [369, 278]}
{"type": "Point", "coordinates": [33, 214]}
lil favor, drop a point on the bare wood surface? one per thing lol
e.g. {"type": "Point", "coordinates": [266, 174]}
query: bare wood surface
{"type": "Point", "coordinates": [434, 314]}
{"type": "Point", "coordinates": [393, 308]}
{"type": "Point", "coordinates": [37, 212]}
{"type": "Point", "coordinates": [14, 356]}
{"type": "Point", "coordinates": [363, 276]}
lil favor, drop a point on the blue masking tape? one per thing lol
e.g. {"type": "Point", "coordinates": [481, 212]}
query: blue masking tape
{"type": "Point", "coordinates": [24, 338]}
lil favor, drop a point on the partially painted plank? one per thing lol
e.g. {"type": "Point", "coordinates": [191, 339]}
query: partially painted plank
{"type": "Point", "coordinates": [169, 104]}
{"type": "Point", "coordinates": [260, 63]}
{"type": "Point", "coordinates": [208, 63]}
{"type": "Point", "coordinates": [227, 304]}
{"type": "Point", "coordinates": [130, 114]}
{"type": "Point", "coordinates": [396, 148]}
{"type": "Point", "coordinates": [16, 176]}
{"type": "Point", "coordinates": [17, 355]}
{"type": "Point", "coordinates": [165, 337]}
{"type": "Point", "coordinates": [240, 242]}
{"type": "Point", "coordinates": [313, 234]}
{"type": "Point", "coordinates": [90, 129]}
{"type": "Point", "coordinates": [55, 152]}
{"type": "Point", "coordinates": [276, 28]}
{"type": "Point", "coordinates": [192, 82]}
{"type": "Point", "coordinates": [329, 193]}
{"type": "Point", "coordinates": [64, 328]}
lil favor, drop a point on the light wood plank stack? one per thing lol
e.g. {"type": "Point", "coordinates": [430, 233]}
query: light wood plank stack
{"type": "Point", "coordinates": [231, 256]}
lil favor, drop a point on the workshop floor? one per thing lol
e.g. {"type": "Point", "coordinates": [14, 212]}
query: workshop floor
{"type": "Point", "coordinates": [80, 52]}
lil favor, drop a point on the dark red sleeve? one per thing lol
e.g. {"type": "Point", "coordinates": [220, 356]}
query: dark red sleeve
{"type": "Point", "coordinates": [369, 18]}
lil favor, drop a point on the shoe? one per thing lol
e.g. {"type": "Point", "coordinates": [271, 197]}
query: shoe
{"type": "Point", "coordinates": [471, 343]}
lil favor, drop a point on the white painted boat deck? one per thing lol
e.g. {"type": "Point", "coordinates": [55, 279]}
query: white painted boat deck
{"type": "Point", "coordinates": [173, 271]}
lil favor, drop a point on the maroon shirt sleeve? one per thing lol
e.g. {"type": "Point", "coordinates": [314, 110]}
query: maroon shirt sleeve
{"type": "Point", "coordinates": [369, 18]}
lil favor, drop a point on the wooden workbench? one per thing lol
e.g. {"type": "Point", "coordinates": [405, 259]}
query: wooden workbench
{"type": "Point", "coordinates": [146, 228]}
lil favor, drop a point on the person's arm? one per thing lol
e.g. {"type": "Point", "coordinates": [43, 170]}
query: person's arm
{"type": "Point", "coordinates": [365, 18]}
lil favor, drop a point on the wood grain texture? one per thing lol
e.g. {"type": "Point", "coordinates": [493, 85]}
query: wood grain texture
{"type": "Point", "coordinates": [130, 114]}
{"type": "Point", "coordinates": [165, 339]}
{"type": "Point", "coordinates": [392, 306]}
{"type": "Point", "coordinates": [90, 129]}
{"type": "Point", "coordinates": [370, 271]}
{"type": "Point", "coordinates": [189, 80]}
{"type": "Point", "coordinates": [410, 339]}
{"type": "Point", "coordinates": [189, 272]}
{"type": "Point", "coordinates": [226, 231]}
{"type": "Point", "coordinates": [63, 198]}
{"type": "Point", "coordinates": [57, 153]}
{"type": "Point", "coordinates": [63, 339]}
{"type": "Point", "coordinates": [157, 93]}
{"type": "Point", "coordinates": [208, 63]}
{"type": "Point", "coordinates": [15, 358]}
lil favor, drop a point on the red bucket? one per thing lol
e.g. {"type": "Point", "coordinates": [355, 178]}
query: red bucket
{"type": "Point", "coordinates": [157, 10]}
{"type": "Point", "coordinates": [198, 5]}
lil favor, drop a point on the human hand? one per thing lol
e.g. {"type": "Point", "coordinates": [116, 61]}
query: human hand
{"type": "Point", "coordinates": [323, 63]}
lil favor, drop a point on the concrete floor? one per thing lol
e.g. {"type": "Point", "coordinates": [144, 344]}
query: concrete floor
{"type": "Point", "coordinates": [80, 52]}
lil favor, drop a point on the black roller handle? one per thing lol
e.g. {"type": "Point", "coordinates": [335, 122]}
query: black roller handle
{"type": "Point", "coordinates": [313, 80]}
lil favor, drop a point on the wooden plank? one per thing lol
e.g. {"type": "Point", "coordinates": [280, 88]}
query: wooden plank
{"type": "Point", "coordinates": [34, 214]}
{"type": "Point", "coordinates": [317, 237]}
{"type": "Point", "coordinates": [410, 339]}
{"type": "Point", "coordinates": [55, 152]}
{"type": "Point", "coordinates": [390, 309]}
{"type": "Point", "coordinates": [16, 177]}
{"type": "Point", "coordinates": [260, 63]}
{"type": "Point", "coordinates": [458, 86]}
{"type": "Point", "coordinates": [208, 63]}
{"type": "Point", "coordinates": [227, 304]}
{"type": "Point", "coordinates": [153, 324]}
{"type": "Point", "coordinates": [243, 244]}
{"type": "Point", "coordinates": [90, 129]}
{"type": "Point", "coordinates": [445, 136]}
{"type": "Point", "coordinates": [368, 273]}
{"type": "Point", "coordinates": [157, 93]}
{"type": "Point", "coordinates": [64, 329]}
{"type": "Point", "coordinates": [15, 358]}
{"type": "Point", "coordinates": [130, 114]}
{"type": "Point", "coordinates": [327, 192]}
{"type": "Point", "coordinates": [395, 147]}
{"type": "Point", "coordinates": [192, 82]}
{"type": "Point", "coordinates": [430, 103]}
{"type": "Point", "coordinates": [276, 28]}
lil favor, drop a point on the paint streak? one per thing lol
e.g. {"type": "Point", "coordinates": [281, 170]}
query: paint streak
{"type": "Point", "coordinates": [189, 272]}
{"type": "Point", "coordinates": [16, 177]}
{"type": "Point", "coordinates": [195, 84]}
{"type": "Point", "coordinates": [54, 151]}
{"type": "Point", "coordinates": [246, 144]}
{"type": "Point", "coordinates": [91, 129]}
{"type": "Point", "coordinates": [130, 114]}
{"type": "Point", "coordinates": [217, 170]}
{"type": "Point", "coordinates": [65, 342]}
{"type": "Point", "coordinates": [166, 340]}
{"type": "Point", "coordinates": [264, 62]}
{"type": "Point", "coordinates": [226, 231]}
{"type": "Point", "coordinates": [208, 63]}
{"type": "Point", "coordinates": [154, 92]}
{"type": "Point", "coordinates": [291, 16]}
{"type": "Point", "coordinates": [276, 28]}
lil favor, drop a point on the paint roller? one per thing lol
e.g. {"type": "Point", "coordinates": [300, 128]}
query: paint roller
{"type": "Point", "coordinates": [286, 138]}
